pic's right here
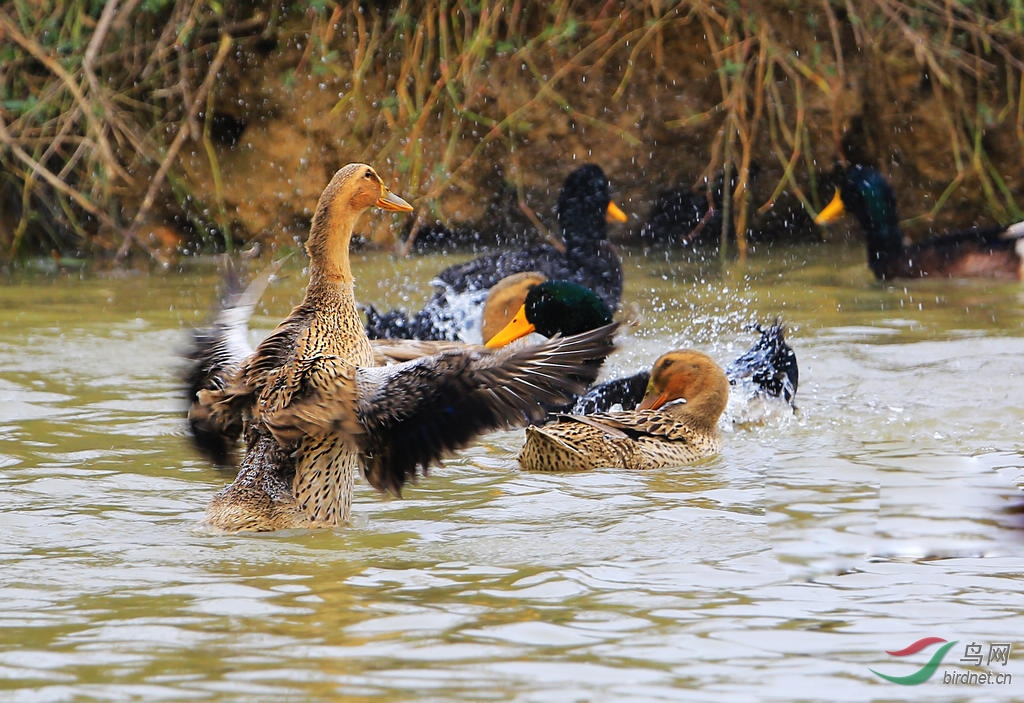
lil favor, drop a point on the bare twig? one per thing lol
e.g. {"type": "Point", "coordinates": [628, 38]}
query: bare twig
{"type": "Point", "coordinates": [129, 234]}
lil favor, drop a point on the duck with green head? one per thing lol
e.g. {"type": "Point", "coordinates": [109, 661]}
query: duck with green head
{"type": "Point", "coordinates": [991, 252]}
{"type": "Point", "coordinates": [548, 308]}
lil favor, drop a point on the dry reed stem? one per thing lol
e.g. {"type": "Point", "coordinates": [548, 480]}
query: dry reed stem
{"type": "Point", "coordinates": [437, 79]}
{"type": "Point", "coordinates": [184, 131]}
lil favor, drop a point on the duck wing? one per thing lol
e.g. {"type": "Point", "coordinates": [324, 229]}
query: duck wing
{"type": "Point", "coordinates": [633, 424]}
{"type": "Point", "coordinates": [484, 271]}
{"type": "Point", "coordinates": [407, 416]}
{"type": "Point", "coordinates": [212, 359]}
{"type": "Point", "coordinates": [597, 266]}
{"type": "Point", "coordinates": [991, 252]}
{"type": "Point", "coordinates": [770, 363]}
{"type": "Point", "coordinates": [948, 245]}
{"type": "Point", "coordinates": [416, 413]}
{"type": "Point", "coordinates": [393, 351]}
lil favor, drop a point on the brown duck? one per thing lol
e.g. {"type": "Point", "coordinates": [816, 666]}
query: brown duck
{"type": "Point", "coordinates": [675, 424]}
{"type": "Point", "coordinates": [315, 408]}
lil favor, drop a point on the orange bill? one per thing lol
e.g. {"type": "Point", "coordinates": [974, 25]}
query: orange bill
{"type": "Point", "coordinates": [390, 201]}
{"type": "Point", "coordinates": [832, 212]}
{"type": "Point", "coordinates": [615, 213]}
{"type": "Point", "coordinates": [652, 401]}
{"type": "Point", "coordinates": [518, 327]}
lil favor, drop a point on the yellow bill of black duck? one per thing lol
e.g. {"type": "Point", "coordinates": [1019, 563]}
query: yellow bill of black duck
{"type": "Point", "coordinates": [675, 424]}
{"type": "Point", "coordinates": [986, 252]}
{"type": "Point", "coordinates": [504, 299]}
{"type": "Point", "coordinates": [315, 408]}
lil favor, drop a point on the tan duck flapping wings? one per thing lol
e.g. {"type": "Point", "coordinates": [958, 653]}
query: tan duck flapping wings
{"type": "Point", "coordinates": [317, 409]}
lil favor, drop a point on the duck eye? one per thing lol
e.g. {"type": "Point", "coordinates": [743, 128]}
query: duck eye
{"type": "Point", "coordinates": [369, 174]}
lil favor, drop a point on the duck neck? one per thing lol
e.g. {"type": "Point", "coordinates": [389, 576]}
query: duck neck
{"type": "Point", "coordinates": [885, 244]}
{"type": "Point", "coordinates": [329, 237]}
{"type": "Point", "coordinates": [581, 234]}
{"type": "Point", "coordinates": [336, 297]}
{"type": "Point", "coordinates": [881, 224]}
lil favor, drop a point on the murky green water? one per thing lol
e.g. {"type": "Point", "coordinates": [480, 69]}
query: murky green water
{"type": "Point", "coordinates": [782, 569]}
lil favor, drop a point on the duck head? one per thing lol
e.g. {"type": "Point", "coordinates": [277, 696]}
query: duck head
{"type": "Point", "coordinates": [691, 377]}
{"type": "Point", "coordinates": [864, 193]}
{"type": "Point", "coordinates": [353, 189]}
{"type": "Point", "coordinates": [585, 205]}
{"type": "Point", "coordinates": [504, 300]}
{"type": "Point", "coordinates": [554, 307]}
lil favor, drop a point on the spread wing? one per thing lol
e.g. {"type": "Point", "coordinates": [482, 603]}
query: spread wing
{"type": "Point", "coordinates": [265, 381]}
{"type": "Point", "coordinates": [416, 412]}
{"type": "Point", "coordinates": [213, 358]}
{"type": "Point", "coordinates": [770, 363]}
{"type": "Point", "coordinates": [408, 415]}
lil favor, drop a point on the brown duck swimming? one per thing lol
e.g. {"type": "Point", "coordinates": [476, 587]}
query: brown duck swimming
{"type": "Point", "coordinates": [675, 424]}
{"type": "Point", "coordinates": [315, 408]}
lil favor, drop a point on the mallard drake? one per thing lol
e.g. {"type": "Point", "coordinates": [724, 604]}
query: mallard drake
{"type": "Point", "coordinates": [676, 423]}
{"type": "Point", "coordinates": [504, 299]}
{"type": "Point", "coordinates": [546, 307]}
{"type": "Point", "coordinates": [993, 252]}
{"type": "Point", "coordinates": [315, 409]}
{"type": "Point", "coordinates": [584, 207]}
{"type": "Point", "coordinates": [563, 307]}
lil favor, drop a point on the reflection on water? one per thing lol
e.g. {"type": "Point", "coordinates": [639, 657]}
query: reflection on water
{"type": "Point", "coordinates": [886, 511]}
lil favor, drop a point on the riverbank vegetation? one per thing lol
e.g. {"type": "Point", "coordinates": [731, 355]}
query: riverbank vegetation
{"type": "Point", "coordinates": [153, 128]}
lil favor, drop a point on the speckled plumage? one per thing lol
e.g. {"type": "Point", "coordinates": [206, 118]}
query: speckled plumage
{"type": "Point", "coordinates": [768, 369]}
{"type": "Point", "coordinates": [317, 408]}
{"type": "Point", "coordinates": [637, 439]}
{"type": "Point", "coordinates": [676, 424]}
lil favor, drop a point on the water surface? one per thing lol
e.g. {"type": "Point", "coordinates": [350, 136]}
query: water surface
{"type": "Point", "coordinates": [886, 510]}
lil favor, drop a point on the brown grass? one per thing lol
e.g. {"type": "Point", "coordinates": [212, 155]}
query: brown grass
{"type": "Point", "coordinates": [105, 108]}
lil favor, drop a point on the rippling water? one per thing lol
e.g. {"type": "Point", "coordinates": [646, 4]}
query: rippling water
{"type": "Point", "coordinates": [885, 511]}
